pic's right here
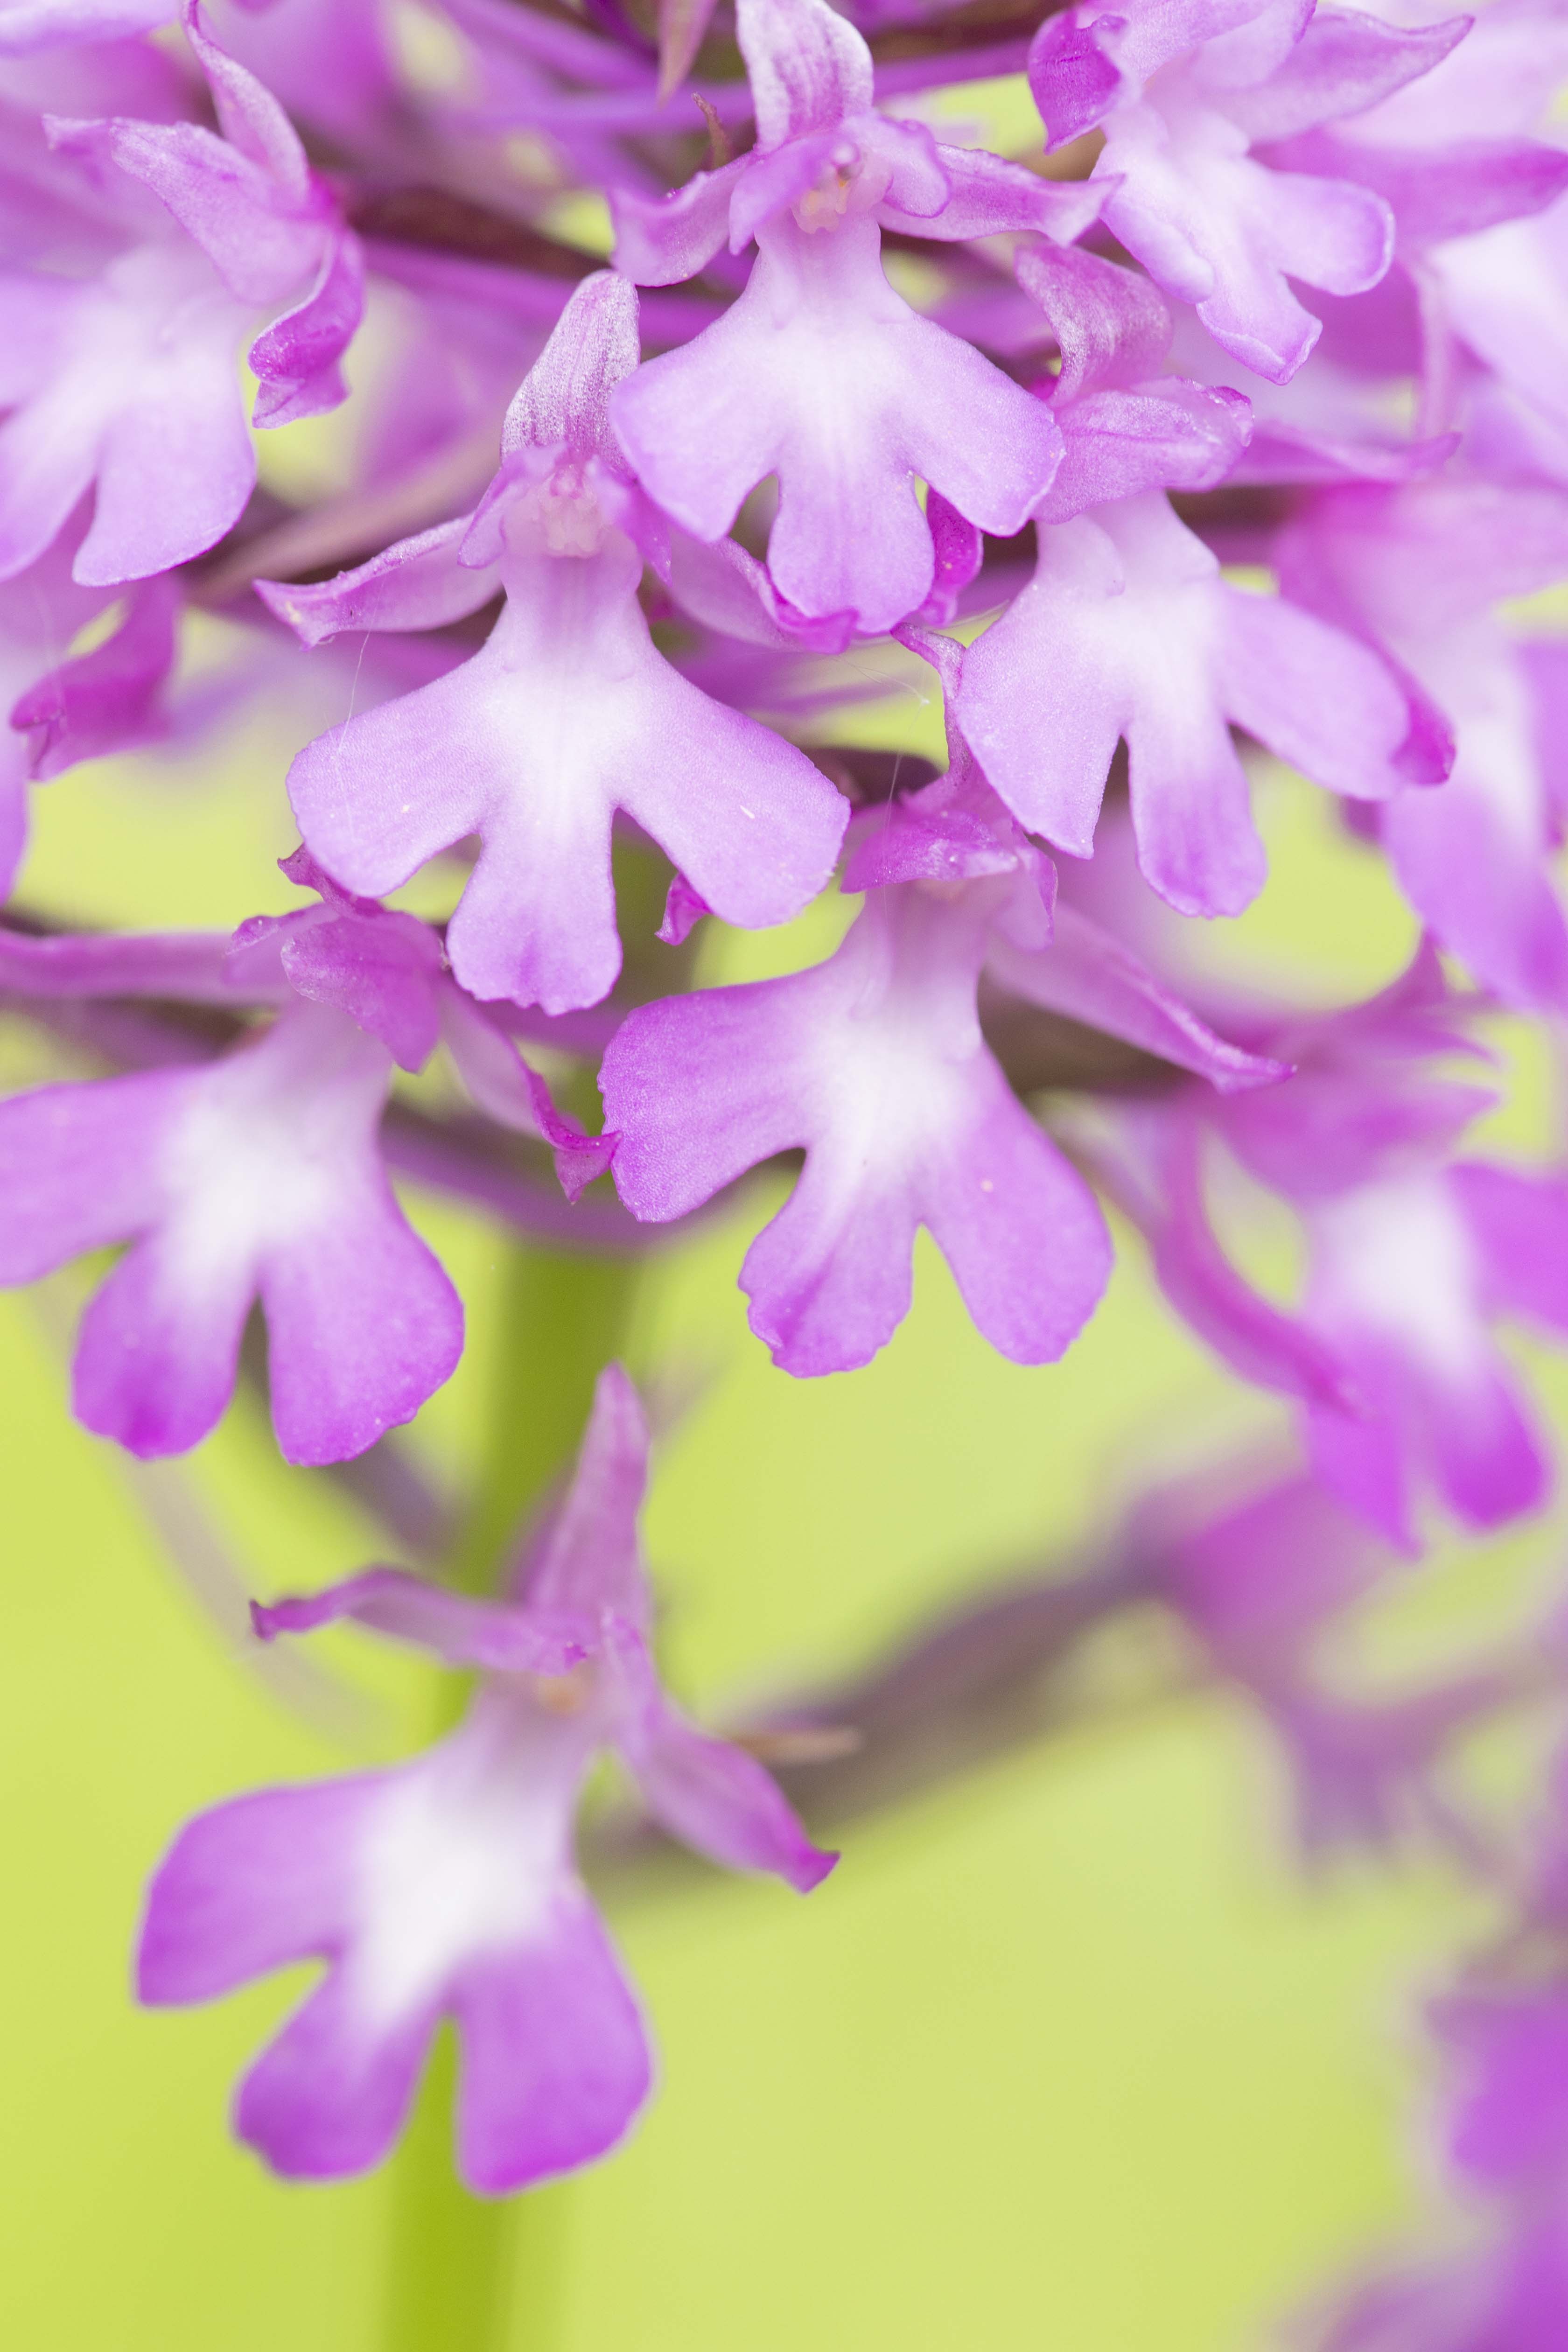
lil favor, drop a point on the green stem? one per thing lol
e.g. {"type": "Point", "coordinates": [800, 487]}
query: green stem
{"type": "Point", "coordinates": [457, 2265]}
{"type": "Point", "coordinates": [563, 1318]}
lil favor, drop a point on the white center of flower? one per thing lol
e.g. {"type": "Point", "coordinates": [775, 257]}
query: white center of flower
{"type": "Point", "coordinates": [1397, 1259]}
{"type": "Point", "coordinates": [465, 1855]}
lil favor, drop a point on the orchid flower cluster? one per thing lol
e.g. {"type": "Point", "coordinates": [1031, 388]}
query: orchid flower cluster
{"type": "Point", "coordinates": [1230, 423]}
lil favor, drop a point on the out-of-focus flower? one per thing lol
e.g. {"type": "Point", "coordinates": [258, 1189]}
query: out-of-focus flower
{"type": "Point", "coordinates": [123, 381]}
{"type": "Point", "coordinates": [1417, 569]}
{"type": "Point", "coordinates": [1265, 1582]}
{"type": "Point", "coordinates": [1412, 1258]}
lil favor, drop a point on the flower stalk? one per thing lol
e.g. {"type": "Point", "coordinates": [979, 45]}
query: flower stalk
{"type": "Point", "coordinates": [488, 2272]}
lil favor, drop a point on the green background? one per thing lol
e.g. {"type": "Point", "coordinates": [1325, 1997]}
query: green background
{"type": "Point", "coordinates": [1068, 2054]}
